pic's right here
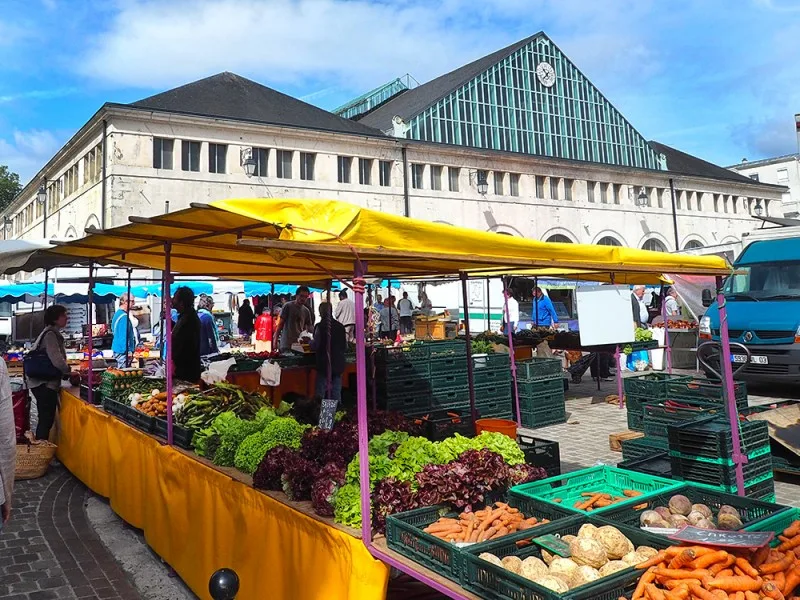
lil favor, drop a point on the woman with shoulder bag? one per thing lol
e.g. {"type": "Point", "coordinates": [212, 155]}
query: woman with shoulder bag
{"type": "Point", "coordinates": [49, 346]}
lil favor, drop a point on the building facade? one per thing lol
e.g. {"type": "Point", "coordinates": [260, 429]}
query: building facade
{"type": "Point", "coordinates": [781, 170]}
{"type": "Point", "coordinates": [505, 144]}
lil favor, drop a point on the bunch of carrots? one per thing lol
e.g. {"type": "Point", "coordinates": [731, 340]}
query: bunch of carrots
{"type": "Point", "coordinates": [486, 524]}
{"type": "Point", "coordinates": [704, 573]}
{"type": "Point", "coordinates": [593, 500]}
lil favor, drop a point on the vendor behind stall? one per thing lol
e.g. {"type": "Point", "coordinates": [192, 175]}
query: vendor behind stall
{"type": "Point", "coordinates": [335, 360]}
{"type": "Point", "coordinates": [186, 337]}
{"type": "Point", "coordinates": [345, 313]}
{"type": "Point", "coordinates": [639, 308]}
{"type": "Point", "coordinates": [672, 308]}
{"type": "Point", "coordinates": [543, 310]}
{"type": "Point", "coordinates": [295, 319]}
{"type": "Point", "coordinates": [209, 336]}
{"type": "Point", "coordinates": [390, 319]}
{"type": "Point", "coordinates": [513, 311]}
{"type": "Point", "coordinates": [406, 308]}
{"type": "Point", "coordinates": [124, 341]}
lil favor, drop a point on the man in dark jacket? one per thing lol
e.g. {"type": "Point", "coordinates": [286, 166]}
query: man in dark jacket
{"type": "Point", "coordinates": [335, 360]}
{"type": "Point", "coordinates": [639, 308]}
{"type": "Point", "coordinates": [186, 337]}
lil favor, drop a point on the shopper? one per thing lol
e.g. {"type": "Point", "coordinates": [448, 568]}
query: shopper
{"type": "Point", "coordinates": [295, 319]}
{"type": "Point", "coordinates": [8, 445]}
{"type": "Point", "coordinates": [425, 305]}
{"type": "Point", "coordinates": [405, 308]}
{"type": "Point", "coordinates": [345, 313]}
{"type": "Point", "coordinates": [390, 320]}
{"type": "Point", "coordinates": [246, 318]}
{"type": "Point", "coordinates": [639, 308]}
{"type": "Point", "coordinates": [186, 337]}
{"type": "Point", "coordinates": [263, 329]}
{"type": "Point", "coordinates": [544, 313]}
{"type": "Point", "coordinates": [46, 390]}
{"type": "Point", "coordinates": [672, 309]}
{"type": "Point", "coordinates": [513, 311]}
{"type": "Point", "coordinates": [124, 341]}
{"type": "Point", "coordinates": [209, 336]}
{"type": "Point", "coordinates": [332, 362]}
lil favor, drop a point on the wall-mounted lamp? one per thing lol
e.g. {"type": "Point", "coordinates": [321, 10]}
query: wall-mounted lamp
{"type": "Point", "coordinates": [480, 179]}
{"type": "Point", "coordinates": [41, 195]}
{"type": "Point", "coordinates": [642, 200]}
{"type": "Point", "coordinates": [758, 209]}
{"type": "Point", "coordinates": [247, 161]}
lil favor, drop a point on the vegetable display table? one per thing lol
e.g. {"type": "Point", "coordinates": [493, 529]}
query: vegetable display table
{"type": "Point", "coordinates": [200, 518]}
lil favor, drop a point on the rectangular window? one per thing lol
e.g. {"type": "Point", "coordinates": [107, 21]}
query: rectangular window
{"type": "Point", "coordinates": [344, 165]}
{"type": "Point", "coordinates": [216, 157]}
{"type": "Point", "coordinates": [783, 175]}
{"type": "Point", "coordinates": [716, 202]}
{"type": "Point", "coordinates": [568, 189]}
{"type": "Point", "coordinates": [283, 162]}
{"type": "Point", "coordinates": [162, 153]}
{"type": "Point", "coordinates": [699, 200]}
{"type": "Point", "coordinates": [540, 186]}
{"type": "Point", "coordinates": [617, 189]}
{"type": "Point", "coordinates": [260, 155]}
{"type": "Point", "coordinates": [417, 172]}
{"type": "Point", "coordinates": [603, 193]}
{"type": "Point", "coordinates": [385, 172]}
{"type": "Point", "coordinates": [553, 185]}
{"type": "Point", "coordinates": [513, 181]}
{"type": "Point", "coordinates": [499, 183]}
{"type": "Point", "coordinates": [590, 191]}
{"type": "Point", "coordinates": [190, 156]}
{"type": "Point", "coordinates": [307, 161]}
{"type": "Point", "coordinates": [365, 171]}
{"type": "Point", "coordinates": [453, 174]}
{"type": "Point", "coordinates": [436, 177]}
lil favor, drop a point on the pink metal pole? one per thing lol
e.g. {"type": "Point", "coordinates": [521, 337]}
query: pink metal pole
{"type": "Point", "coordinates": [667, 348]}
{"type": "Point", "coordinates": [361, 403]}
{"type": "Point", "coordinates": [618, 361]}
{"type": "Point", "coordinates": [728, 386]}
{"type": "Point", "coordinates": [167, 298]}
{"type": "Point", "coordinates": [470, 366]}
{"type": "Point", "coordinates": [90, 373]}
{"type": "Point", "coordinates": [511, 352]}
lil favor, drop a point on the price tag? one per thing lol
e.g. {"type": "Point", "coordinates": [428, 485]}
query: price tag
{"type": "Point", "coordinates": [327, 414]}
{"type": "Point", "coordinates": [554, 545]}
{"type": "Point", "coordinates": [727, 539]}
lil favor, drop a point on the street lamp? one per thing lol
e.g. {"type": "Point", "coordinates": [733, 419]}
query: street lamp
{"type": "Point", "coordinates": [8, 225]}
{"type": "Point", "coordinates": [41, 195]}
{"type": "Point", "coordinates": [249, 166]}
{"type": "Point", "coordinates": [758, 210]}
{"type": "Point", "coordinates": [641, 199]}
{"type": "Point", "coordinates": [481, 181]}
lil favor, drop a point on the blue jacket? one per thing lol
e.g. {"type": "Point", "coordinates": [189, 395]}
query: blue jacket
{"type": "Point", "coordinates": [546, 310]}
{"type": "Point", "coordinates": [120, 333]}
{"type": "Point", "coordinates": [208, 333]}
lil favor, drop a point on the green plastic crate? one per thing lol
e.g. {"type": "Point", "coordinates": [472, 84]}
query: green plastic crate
{"type": "Point", "coordinates": [766, 449]}
{"type": "Point", "coordinates": [705, 390]}
{"type": "Point", "coordinates": [448, 365]}
{"type": "Point", "coordinates": [602, 479]}
{"type": "Point", "coordinates": [541, 387]}
{"type": "Point", "coordinates": [656, 416]}
{"type": "Point", "coordinates": [493, 393]}
{"type": "Point", "coordinates": [497, 361]}
{"type": "Point", "coordinates": [449, 381]}
{"type": "Point", "coordinates": [438, 348]}
{"type": "Point", "coordinates": [499, 409]}
{"type": "Point", "coordinates": [687, 469]}
{"type": "Point", "coordinates": [652, 386]}
{"type": "Point", "coordinates": [753, 512]}
{"type": "Point", "coordinates": [642, 447]}
{"type": "Point", "coordinates": [541, 402]}
{"type": "Point", "coordinates": [711, 437]}
{"type": "Point", "coordinates": [635, 421]}
{"type": "Point", "coordinates": [491, 377]}
{"type": "Point", "coordinates": [532, 369]}
{"type": "Point", "coordinates": [760, 489]}
{"type": "Point", "coordinates": [543, 417]}
{"type": "Point", "coordinates": [450, 399]}
{"type": "Point", "coordinates": [776, 523]}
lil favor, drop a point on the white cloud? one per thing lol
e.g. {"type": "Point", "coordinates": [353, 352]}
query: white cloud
{"type": "Point", "coordinates": [28, 151]}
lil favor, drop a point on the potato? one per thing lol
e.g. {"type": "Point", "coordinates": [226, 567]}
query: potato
{"type": "Point", "coordinates": [647, 551]}
{"type": "Point", "coordinates": [704, 524]}
{"type": "Point", "coordinates": [726, 509]}
{"type": "Point", "coordinates": [590, 552]}
{"type": "Point", "coordinates": [587, 574]}
{"type": "Point", "coordinates": [695, 516]}
{"type": "Point", "coordinates": [663, 512]}
{"type": "Point", "coordinates": [587, 531]}
{"type": "Point", "coordinates": [614, 542]}
{"type": "Point", "coordinates": [565, 569]}
{"type": "Point", "coordinates": [678, 521]}
{"type": "Point", "coordinates": [568, 538]}
{"type": "Point", "coordinates": [650, 518]}
{"type": "Point", "coordinates": [634, 558]}
{"type": "Point", "coordinates": [552, 583]}
{"type": "Point", "coordinates": [729, 522]}
{"type": "Point", "coordinates": [703, 509]}
{"type": "Point", "coordinates": [513, 564]}
{"type": "Point", "coordinates": [532, 568]}
{"type": "Point", "coordinates": [547, 557]}
{"type": "Point", "coordinates": [612, 567]}
{"type": "Point", "coordinates": [487, 556]}
{"type": "Point", "coordinates": [680, 505]}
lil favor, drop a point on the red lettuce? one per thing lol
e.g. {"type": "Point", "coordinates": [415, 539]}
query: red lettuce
{"type": "Point", "coordinates": [298, 477]}
{"type": "Point", "coordinates": [391, 496]}
{"type": "Point", "coordinates": [519, 474]}
{"type": "Point", "coordinates": [269, 471]}
{"type": "Point", "coordinates": [329, 479]}
{"type": "Point", "coordinates": [465, 482]}
{"type": "Point", "coordinates": [338, 445]}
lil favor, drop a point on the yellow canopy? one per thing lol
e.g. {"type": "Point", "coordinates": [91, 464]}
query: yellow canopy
{"type": "Point", "coordinates": [282, 240]}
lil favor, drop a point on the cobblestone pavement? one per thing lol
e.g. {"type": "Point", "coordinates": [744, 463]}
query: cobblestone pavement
{"type": "Point", "coordinates": [49, 550]}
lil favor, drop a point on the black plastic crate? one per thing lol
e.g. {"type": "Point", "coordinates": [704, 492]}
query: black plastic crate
{"type": "Point", "coordinates": [140, 420]}
{"type": "Point", "coordinates": [705, 390]}
{"type": "Point", "coordinates": [541, 453]}
{"type": "Point", "coordinates": [658, 465]}
{"type": "Point", "coordinates": [687, 469]}
{"type": "Point", "coordinates": [759, 490]}
{"type": "Point", "coordinates": [118, 409]}
{"type": "Point", "coordinates": [535, 368]}
{"type": "Point", "coordinates": [711, 437]}
{"type": "Point", "coordinates": [399, 387]}
{"type": "Point", "coordinates": [752, 511]}
{"type": "Point", "coordinates": [181, 436]}
{"type": "Point", "coordinates": [543, 417]}
{"type": "Point", "coordinates": [97, 395]}
{"type": "Point", "coordinates": [642, 447]}
{"type": "Point", "coordinates": [652, 386]}
{"type": "Point", "coordinates": [657, 416]}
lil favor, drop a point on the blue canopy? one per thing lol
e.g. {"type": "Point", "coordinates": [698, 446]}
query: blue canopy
{"type": "Point", "coordinates": [65, 293]}
{"type": "Point", "coordinates": [255, 288]}
{"type": "Point", "coordinates": [154, 289]}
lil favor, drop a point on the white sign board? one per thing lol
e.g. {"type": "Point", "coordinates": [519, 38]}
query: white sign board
{"type": "Point", "coordinates": [605, 315]}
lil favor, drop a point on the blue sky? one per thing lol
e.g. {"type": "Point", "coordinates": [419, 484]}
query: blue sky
{"type": "Point", "coordinates": [716, 78]}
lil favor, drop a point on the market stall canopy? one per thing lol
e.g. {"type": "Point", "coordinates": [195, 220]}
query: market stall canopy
{"type": "Point", "coordinates": [27, 256]}
{"type": "Point", "coordinates": [282, 240]}
{"type": "Point", "coordinates": [154, 289]}
{"type": "Point", "coordinates": [63, 293]}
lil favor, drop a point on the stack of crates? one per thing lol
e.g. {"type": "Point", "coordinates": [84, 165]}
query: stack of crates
{"type": "Point", "coordinates": [540, 383]}
{"type": "Point", "coordinates": [402, 378]}
{"type": "Point", "coordinates": [642, 389]}
{"type": "Point", "coordinates": [491, 374]}
{"type": "Point", "coordinates": [702, 452]}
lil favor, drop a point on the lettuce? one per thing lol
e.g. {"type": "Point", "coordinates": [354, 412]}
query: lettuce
{"type": "Point", "coordinates": [347, 505]}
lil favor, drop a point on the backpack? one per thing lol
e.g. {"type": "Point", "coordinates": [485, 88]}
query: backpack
{"type": "Point", "coordinates": [37, 365]}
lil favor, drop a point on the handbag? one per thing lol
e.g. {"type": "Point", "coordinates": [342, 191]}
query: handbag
{"type": "Point", "coordinates": [37, 365]}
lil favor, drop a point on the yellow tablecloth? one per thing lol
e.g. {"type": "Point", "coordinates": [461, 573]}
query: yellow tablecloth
{"type": "Point", "coordinates": [199, 520]}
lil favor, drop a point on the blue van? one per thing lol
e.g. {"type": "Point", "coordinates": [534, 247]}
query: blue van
{"type": "Point", "coordinates": [763, 304]}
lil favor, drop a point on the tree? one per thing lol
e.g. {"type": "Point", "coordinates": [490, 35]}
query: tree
{"type": "Point", "coordinates": [9, 186]}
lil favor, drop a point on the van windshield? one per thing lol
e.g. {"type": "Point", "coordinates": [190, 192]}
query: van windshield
{"type": "Point", "coordinates": [765, 281]}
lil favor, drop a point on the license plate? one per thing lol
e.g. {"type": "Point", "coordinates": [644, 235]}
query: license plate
{"type": "Point", "coordinates": [758, 360]}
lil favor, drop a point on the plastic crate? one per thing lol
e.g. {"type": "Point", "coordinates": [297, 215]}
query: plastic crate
{"type": "Point", "coordinates": [759, 490]}
{"type": "Point", "coordinates": [712, 438]}
{"type": "Point", "coordinates": [776, 523]}
{"type": "Point", "coordinates": [610, 480]}
{"type": "Point", "coordinates": [405, 535]}
{"type": "Point", "coordinates": [642, 447]}
{"type": "Point", "coordinates": [402, 369]}
{"type": "Point", "coordinates": [245, 365]}
{"type": "Point", "coordinates": [546, 401]}
{"type": "Point", "coordinates": [687, 469]}
{"type": "Point", "coordinates": [766, 449]}
{"type": "Point", "coordinates": [751, 511]}
{"type": "Point", "coordinates": [493, 393]}
{"type": "Point", "coordinates": [705, 390]}
{"type": "Point", "coordinates": [490, 581]}
{"type": "Point", "coordinates": [657, 464]}
{"type": "Point", "coordinates": [635, 421]}
{"type": "Point", "coordinates": [113, 407]}
{"type": "Point", "coordinates": [140, 420]}
{"type": "Point", "coordinates": [439, 348]}
{"type": "Point", "coordinates": [181, 436]}
{"type": "Point", "coordinates": [97, 394]}
{"type": "Point", "coordinates": [541, 387]}
{"type": "Point", "coordinates": [498, 361]}
{"type": "Point", "coordinates": [406, 353]}
{"type": "Point", "coordinates": [491, 377]}
{"type": "Point", "coordinates": [541, 453]}
{"type": "Point", "coordinates": [656, 416]}
{"type": "Point", "coordinates": [542, 417]}
{"type": "Point", "coordinates": [652, 386]}
{"type": "Point", "coordinates": [448, 365]}
{"type": "Point", "coordinates": [450, 381]}
{"type": "Point", "coordinates": [502, 409]}
{"type": "Point", "coordinates": [438, 425]}
{"type": "Point", "coordinates": [535, 368]}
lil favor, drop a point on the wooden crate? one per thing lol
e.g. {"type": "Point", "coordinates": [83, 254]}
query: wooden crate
{"type": "Point", "coordinates": [427, 330]}
{"type": "Point", "coordinates": [615, 439]}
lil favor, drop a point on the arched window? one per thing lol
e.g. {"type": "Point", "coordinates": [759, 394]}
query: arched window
{"type": "Point", "coordinates": [654, 245]}
{"type": "Point", "coordinates": [608, 241]}
{"type": "Point", "coordinates": [559, 238]}
{"type": "Point", "coordinates": [692, 245]}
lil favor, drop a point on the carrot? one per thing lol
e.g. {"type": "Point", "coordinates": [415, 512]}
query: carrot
{"type": "Point", "coordinates": [719, 567]}
{"type": "Point", "coordinates": [792, 581]}
{"type": "Point", "coordinates": [725, 573]}
{"type": "Point", "coordinates": [738, 595]}
{"type": "Point", "coordinates": [602, 502]}
{"type": "Point", "coordinates": [679, 573]}
{"type": "Point", "coordinates": [672, 584]}
{"type": "Point", "coordinates": [683, 559]}
{"type": "Point", "coordinates": [674, 595]}
{"type": "Point", "coordinates": [735, 583]}
{"type": "Point", "coordinates": [631, 493]}
{"type": "Point", "coordinates": [746, 567]}
{"type": "Point", "coordinates": [780, 565]}
{"type": "Point", "coordinates": [770, 590]}
{"type": "Point", "coordinates": [791, 544]}
{"type": "Point", "coordinates": [680, 592]}
{"type": "Point", "coordinates": [653, 592]}
{"type": "Point", "coordinates": [590, 502]}
{"type": "Point", "coordinates": [780, 580]}
{"type": "Point", "coordinates": [577, 504]}
{"type": "Point", "coordinates": [701, 593]}
{"type": "Point", "coordinates": [656, 560]}
{"type": "Point", "coordinates": [751, 596]}
{"type": "Point", "coordinates": [792, 530]}
{"type": "Point", "coordinates": [499, 533]}
{"type": "Point", "coordinates": [707, 560]}
{"type": "Point", "coordinates": [640, 506]}
{"type": "Point", "coordinates": [557, 500]}
{"type": "Point", "coordinates": [647, 577]}
{"type": "Point", "coordinates": [487, 533]}
{"type": "Point", "coordinates": [760, 556]}
{"type": "Point", "coordinates": [720, 594]}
